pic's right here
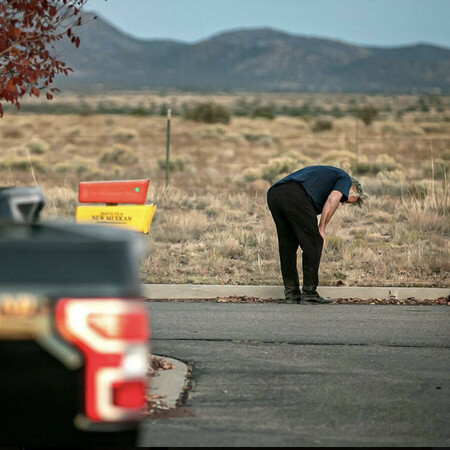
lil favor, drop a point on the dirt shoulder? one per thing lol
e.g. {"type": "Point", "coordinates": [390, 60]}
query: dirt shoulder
{"type": "Point", "coordinates": [411, 301]}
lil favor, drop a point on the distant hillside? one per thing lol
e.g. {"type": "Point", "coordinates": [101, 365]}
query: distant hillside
{"type": "Point", "coordinates": [257, 59]}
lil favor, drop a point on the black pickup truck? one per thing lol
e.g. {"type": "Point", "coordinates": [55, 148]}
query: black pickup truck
{"type": "Point", "coordinates": [73, 332]}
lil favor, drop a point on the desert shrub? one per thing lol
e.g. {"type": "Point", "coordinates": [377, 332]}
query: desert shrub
{"type": "Point", "coordinates": [124, 134]}
{"type": "Point", "coordinates": [418, 189]}
{"type": "Point", "coordinates": [85, 110]}
{"type": "Point", "coordinates": [390, 128]}
{"type": "Point", "coordinates": [174, 109]}
{"type": "Point", "coordinates": [208, 112]}
{"type": "Point", "coordinates": [321, 125]}
{"type": "Point", "coordinates": [60, 201]}
{"type": "Point", "coordinates": [140, 111]}
{"type": "Point", "coordinates": [229, 249]}
{"type": "Point", "coordinates": [79, 166]}
{"type": "Point", "coordinates": [278, 167]}
{"type": "Point", "coordinates": [432, 128]}
{"type": "Point", "coordinates": [385, 163]}
{"type": "Point", "coordinates": [414, 131]}
{"type": "Point", "coordinates": [275, 169]}
{"type": "Point", "coordinates": [211, 132]}
{"type": "Point", "coordinates": [340, 158]}
{"type": "Point", "coordinates": [362, 168]}
{"type": "Point", "coordinates": [266, 112]}
{"type": "Point", "coordinates": [177, 164]}
{"type": "Point", "coordinates": [367, 114]}
{"type": "Point", "coordinates": [70, 149]}
{"type": "Point", "coordinates": [73, 132]}
{"type": "Point", "coordinates": [439, 168]}
{"type": "Point", "coordinates": [18, 150]}
{"type": "Point", "coordinates": [119, 154]}
{"type": "Point", "coordinates": [22, 164]}
{"type": "Point", "coordinates": [259, 186]}
{"type": "Point", "coordinates": [385, 183]}
{"type": "Point", "coordinates": [251, 174]}
{"type": "Point", "coordinates": [382, 163]}
{"type": "Point", "coordinates": [338, 155]}
{"type": "Point", "coordinates": [248, 238]}
{"type": "Point", "coordinates": [334, 243]}
{"type": "Point", "coordinates": [37, 146]}
{"type": "Point", "coordinates": [297, 111]}
{"type": "Point", "coordinates": [13, 133]}
{"type": "Point", "coordinates": [250, 137]}
{"type": "Point", "coordinates": [261, 139]}
{"type": "Point", "coordinates": [266, 141]}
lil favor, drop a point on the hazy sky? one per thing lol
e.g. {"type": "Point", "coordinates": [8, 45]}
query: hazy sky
{"type": "Point", "coordinates": [367, 22]}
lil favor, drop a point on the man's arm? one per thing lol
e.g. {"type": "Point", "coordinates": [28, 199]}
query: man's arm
{"type": "Point", "coordinates": [328, 210]}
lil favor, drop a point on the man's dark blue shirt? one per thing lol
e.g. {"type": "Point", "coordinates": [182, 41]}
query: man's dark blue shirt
{"type": "Point", "coordinates": [319, 181]}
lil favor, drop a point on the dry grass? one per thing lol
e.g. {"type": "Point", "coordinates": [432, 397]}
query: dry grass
{"type": "Point", "coordinates": [212, 224]}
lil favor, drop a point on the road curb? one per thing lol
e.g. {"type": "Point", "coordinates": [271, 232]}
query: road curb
{"type": "Point", "coordinates": [184, 291]}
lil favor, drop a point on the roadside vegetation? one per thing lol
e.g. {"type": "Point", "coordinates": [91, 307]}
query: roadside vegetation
{"type": "Point", "coordinates": [212, 224]}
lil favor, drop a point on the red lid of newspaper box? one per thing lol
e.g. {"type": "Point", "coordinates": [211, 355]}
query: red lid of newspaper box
{"type": "Point", "coordinates": [123, 191]}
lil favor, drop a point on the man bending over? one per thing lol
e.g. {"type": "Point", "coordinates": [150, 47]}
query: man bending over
{"type": "Point", "coordinates": [294, 202]}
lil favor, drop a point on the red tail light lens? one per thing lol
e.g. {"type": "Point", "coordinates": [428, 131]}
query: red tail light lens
{"type": "Point", "coordinates": [123, 326]}
{"type": "Point", "coordinates": [113, 336]}
{"type": "Point", "coordinates": [129, 394]}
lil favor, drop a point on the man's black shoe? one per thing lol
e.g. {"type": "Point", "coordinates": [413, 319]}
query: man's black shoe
{"type": "Point", "coordinates": [293, 300]}
{"type": "Point", "coordinates": [314, 299]}
{"type": "Point", "coordinates": [292, 294]}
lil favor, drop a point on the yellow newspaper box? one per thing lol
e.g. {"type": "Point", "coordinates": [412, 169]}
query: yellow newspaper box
{"type": "Point", "coordinates": [138, 217]}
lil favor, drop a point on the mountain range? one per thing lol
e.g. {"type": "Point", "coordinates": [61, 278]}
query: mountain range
{"type": "Point", "coordinates": [249, 59]}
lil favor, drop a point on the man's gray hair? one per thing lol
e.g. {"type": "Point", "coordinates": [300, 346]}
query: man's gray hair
{"type": "Point", "coordinates": [359, 192]}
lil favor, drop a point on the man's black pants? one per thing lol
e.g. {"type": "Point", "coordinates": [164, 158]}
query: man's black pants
{"type": "Point", "coordinates": [296, 221]}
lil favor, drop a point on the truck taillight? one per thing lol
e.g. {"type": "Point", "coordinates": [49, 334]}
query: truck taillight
{"type": "Point", "coordinates": [113, 336]}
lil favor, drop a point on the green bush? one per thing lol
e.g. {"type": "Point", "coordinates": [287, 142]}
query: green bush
{"type": "Point", "coordinates": [37, 146]}
{"type": "Point", "coordinates": [209, 132]}
{"type": "Point", "coordinates": [278, 167]}
{"type": "Point", "coordinates": [208, 113]}
{"type": "Point", "coordinates": [418, 189]}
{"type": "Point", "coordinates": [440, 169]}
{"type": "Point", "coordinates": [362, 168]}
{"type": "Point", "coordinates": [140, 112]}
{"type": "Point", "coordinates": [124, 134]}
{"type": "Point", "coordinates": [22, 164]}
{"type": "Point", "coordinates": [177, 164]}
{"type": "Point", "coordinates": [119, 154]}
{"type": "Point", "coordinates": [338, 155]}
{"type": "Point", "coordinates": [367, 114]}
{"type": "Point", "coordinates": [266, 112]}
{"type": "Point", "coordinates": [446, 155]}
{"type": "Point", "coordinates": [251, 174]}
{"type": "Point", "coordinates": [322, 125]}
{"type": "Point", "coordinates": [432, 128]}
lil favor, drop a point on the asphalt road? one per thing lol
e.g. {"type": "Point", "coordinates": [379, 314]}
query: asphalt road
{"type": "Point", "coordinates": [290, 375]}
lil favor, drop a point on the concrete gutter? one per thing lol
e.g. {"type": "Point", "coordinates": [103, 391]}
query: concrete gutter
{"type": "Point", "coordinates": [169, 384]}
{"type": "Point", "coordinates": [183, 291]}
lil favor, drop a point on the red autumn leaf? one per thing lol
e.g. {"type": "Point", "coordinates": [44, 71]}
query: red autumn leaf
{"type": "Point", "coordinates": [28, 29]}
{"type": "Point", "coordinates": [3, 44]}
